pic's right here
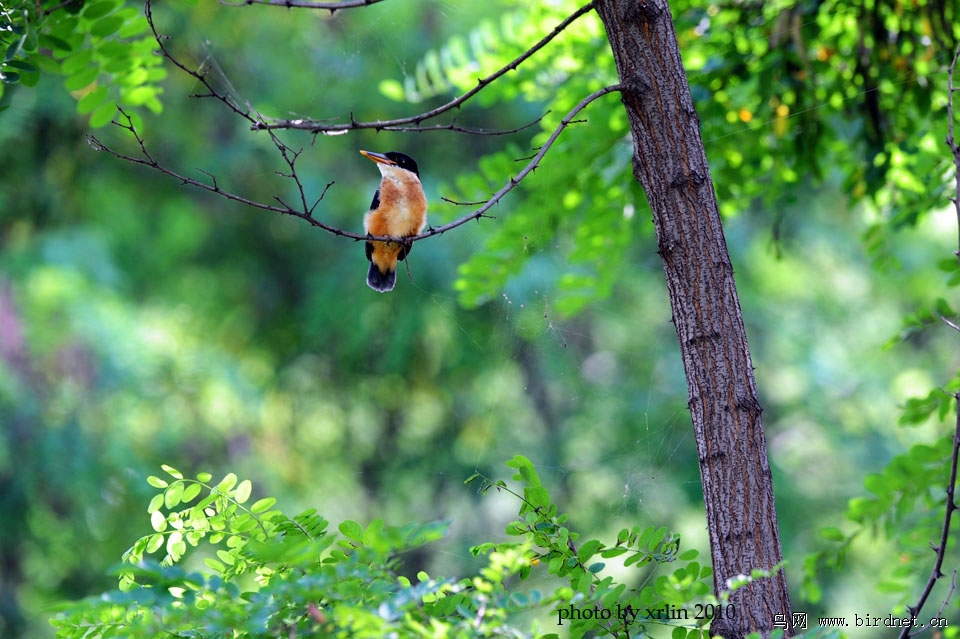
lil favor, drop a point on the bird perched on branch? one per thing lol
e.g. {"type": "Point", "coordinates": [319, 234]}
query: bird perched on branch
{"type": "Point", "coordinates": [399, 210]}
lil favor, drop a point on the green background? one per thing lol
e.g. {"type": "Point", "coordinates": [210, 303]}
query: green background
{"type": "Point", "coordinates": [144, 322]}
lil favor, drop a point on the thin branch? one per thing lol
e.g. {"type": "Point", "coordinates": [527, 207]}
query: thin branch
{"type": "Point", "coordinates": [332, 7]}
{"type": "Point", "coordinates": [951, 505]}
{"type": "Point", "coordinates": [949, 323]}
{"type": "Point", "coordinates": [454, 127]}
{"type": "Point", "coordinates": [47, 12]}
{"type": "Point", "coordinates": [456, 203]}
{"type": "Point", "coordinates": [381, 125]}
{"type": "Point", "coordinates": [946, 598]}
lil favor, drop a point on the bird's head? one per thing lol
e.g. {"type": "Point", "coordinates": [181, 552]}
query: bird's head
{"type": "Point", "coordinates": [392, 161]}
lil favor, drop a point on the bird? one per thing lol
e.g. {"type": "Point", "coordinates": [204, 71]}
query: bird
{"type": "Point", "coordinates": [398, 209]}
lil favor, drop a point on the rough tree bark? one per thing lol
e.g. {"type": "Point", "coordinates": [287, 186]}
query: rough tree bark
{"type": "Point", "coordinates": [671, 164]}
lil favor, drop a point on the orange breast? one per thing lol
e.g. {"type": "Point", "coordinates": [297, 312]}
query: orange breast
{"type": "Point", "coordinates": [402, 211]}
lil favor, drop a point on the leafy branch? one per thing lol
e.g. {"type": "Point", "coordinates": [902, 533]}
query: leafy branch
{"type": "Point", "coordinates": [300, 579]}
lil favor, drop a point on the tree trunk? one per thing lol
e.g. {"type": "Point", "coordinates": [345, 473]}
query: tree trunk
{"type": "Point", "coordinates": [671, 164]}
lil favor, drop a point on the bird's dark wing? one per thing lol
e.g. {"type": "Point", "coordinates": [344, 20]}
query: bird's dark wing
{"type": "Point", "coordinates": [373, 205]}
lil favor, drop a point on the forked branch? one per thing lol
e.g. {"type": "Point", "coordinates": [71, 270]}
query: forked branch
{"type": "Point", "coordinates": [305, 210]}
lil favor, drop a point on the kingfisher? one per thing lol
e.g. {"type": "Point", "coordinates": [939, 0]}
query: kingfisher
{"type": "Point", "coordinates": [399, 209]}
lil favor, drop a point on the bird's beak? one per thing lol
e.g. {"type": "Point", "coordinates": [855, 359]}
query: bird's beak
{"type": "Point", "coordinates": [377, 157]}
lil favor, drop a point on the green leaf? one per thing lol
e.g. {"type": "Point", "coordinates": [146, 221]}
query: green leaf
{"type": "Point", "coordinates": [204, 477]}
{"type": "Point", "coordinates": [156, 503]}
{"type": "Point", "coordinates": [170, 470]}
{"type": "Point", "coordinates": [20, 64]}
{"type": "Point", "coordinates": [242, 493]}
{"type": "Point", "coordinates": [134, 28]}
{"type": "Point", "coordinates": [92, 100]}
{"type": "Point", "coordinates": [106, 26]}
{"type": "Point", "coordinates": [392, 90]}
{"type": "Point", "coordinates": [173, 495]}
{"type": "Point", "coordinates": [139, 95]}
{"type": "Point", "coordinates": [227, 483]}
{"type": "Point", "coordinates": [351, 530]}
{"type": "Point", "coordinates": [76, 62]}
{"type": "Point", "coordinates": [155, 543]}
{"type": "Point", "coordinates": [156, 482]}
{"type": "Point", "coordinates": [81, 79]}
{"type": "Point", "coordinates": [190, 492]}
{"type": "Point", "coordinates": [100, 9]}
{"type": "Point", "coordinates": [214, 565]}
{"type": "Point", "coordinates": [263, 505]}
{"type": "Point", "coordinates": [29, 78]}
{"type": "Point", "coordinates": [832, 534]}
{"type": "Point", "coordinates": [158, 521]}
{"type": "Point", "coordinates": [588, 550]}
{"type": "Point", "coordinates": [53, 42]}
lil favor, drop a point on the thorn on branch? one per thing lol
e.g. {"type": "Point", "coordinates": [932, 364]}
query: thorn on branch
{"type": "Point", "coordinates": [456, 203]}
{"type": "Point", "coordinates": [213, 178]}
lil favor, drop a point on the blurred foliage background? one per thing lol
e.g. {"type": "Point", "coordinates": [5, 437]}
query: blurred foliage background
{"type": "Point", "coordinates": [143, 322]}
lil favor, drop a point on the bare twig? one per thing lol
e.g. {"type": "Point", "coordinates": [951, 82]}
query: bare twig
{"type": "Point", "coordinates": [146, 159]}
{"type": "Point", "coordinates": [453, 126]}
{"type": "Point", "coordinates": [456, 203]}
{"type": "Point", "coordinates": [332, 7]}
{"type": "Point", "coordinates": [949, 323]}
{"type": "Point", "coordinates": [381, 125]}
{"type": "Point", "coordinates": [951, 505]}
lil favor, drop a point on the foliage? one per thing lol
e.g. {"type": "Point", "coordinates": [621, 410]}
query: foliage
{"type": "Point", "coordinates": [158, 324]}
{"type": "Point", "coordinates": [773, 93]}
{"type": "Point", "coordinates": [103, 47]}
{"type": "Point", "coordinates": [267, 574]}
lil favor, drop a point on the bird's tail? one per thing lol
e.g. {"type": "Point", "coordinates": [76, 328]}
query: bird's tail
{"type": "Point", "coordinates": [382, 281]}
